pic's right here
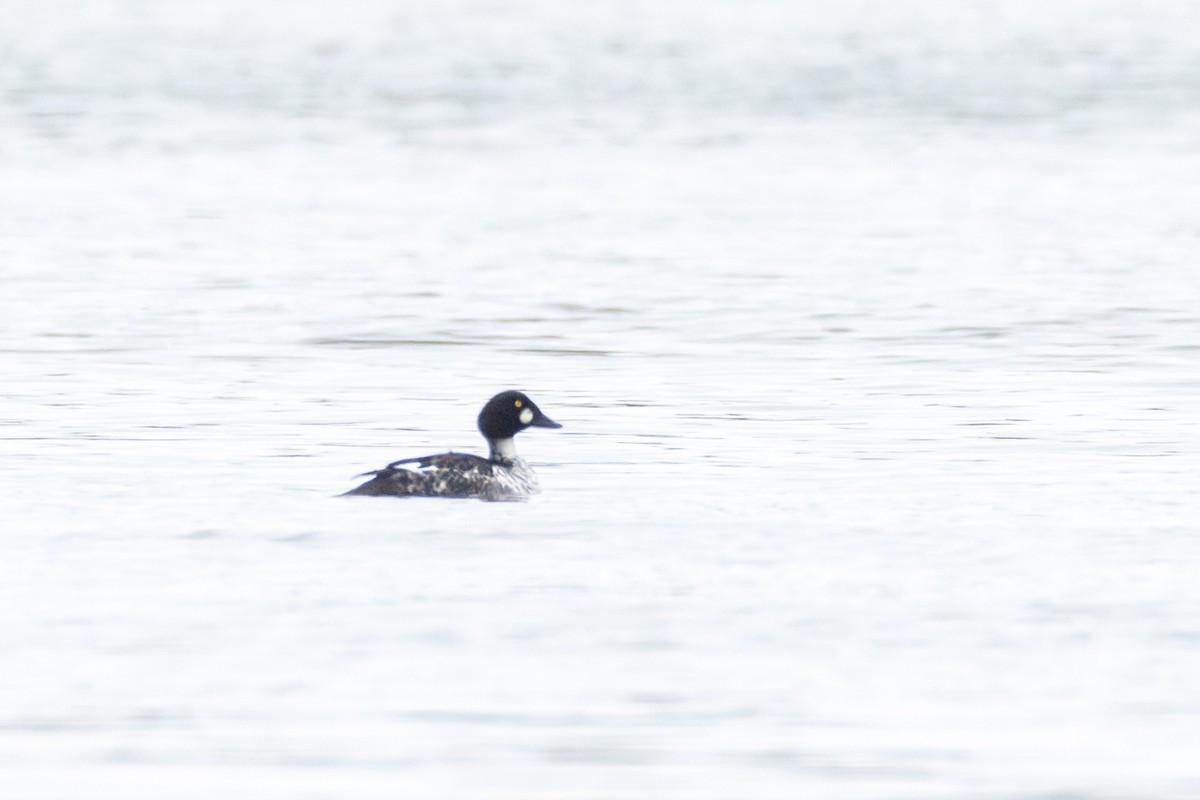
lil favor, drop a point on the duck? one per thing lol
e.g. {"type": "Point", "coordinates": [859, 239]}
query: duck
{"type": "Point", "coordinates": [503, 475]}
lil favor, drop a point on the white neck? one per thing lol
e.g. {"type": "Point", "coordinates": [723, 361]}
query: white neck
{"type": "Point", "coordinates": [502, 449]}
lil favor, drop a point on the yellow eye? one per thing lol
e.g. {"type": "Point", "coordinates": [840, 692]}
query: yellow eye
{"type": "Point", "coordinates": [517, 404]}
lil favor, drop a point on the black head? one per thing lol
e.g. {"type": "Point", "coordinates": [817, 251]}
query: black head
{"type": "Point", "coordinates": [509, 413]}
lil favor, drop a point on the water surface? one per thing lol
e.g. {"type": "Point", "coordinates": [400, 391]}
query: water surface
{"type": "Point", "coordinates": [873, 332]}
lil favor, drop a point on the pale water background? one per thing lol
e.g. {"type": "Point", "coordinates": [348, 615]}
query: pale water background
{"type": "Point", "coordinates": [874, 328]}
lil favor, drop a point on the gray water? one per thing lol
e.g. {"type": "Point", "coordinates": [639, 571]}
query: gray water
{"type": "Point", "coordinates": [873, 330]}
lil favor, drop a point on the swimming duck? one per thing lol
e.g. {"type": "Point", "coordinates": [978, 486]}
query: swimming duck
{"type": "Point", "coordinates": [503, 475]}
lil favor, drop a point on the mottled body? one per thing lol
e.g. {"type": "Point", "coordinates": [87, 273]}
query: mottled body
{"type": "Point", "coordinates": [452, 475]}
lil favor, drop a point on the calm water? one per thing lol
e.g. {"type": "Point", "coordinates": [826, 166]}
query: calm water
{"type": "Point", "coordinates": [874, 330]}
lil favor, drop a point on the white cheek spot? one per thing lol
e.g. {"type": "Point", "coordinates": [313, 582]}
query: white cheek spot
{"type": "Point", "coordinates": [526, 416]}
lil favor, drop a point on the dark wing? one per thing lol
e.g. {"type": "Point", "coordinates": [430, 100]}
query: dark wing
{"type": "Point", "coordinates": [442, 475]}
